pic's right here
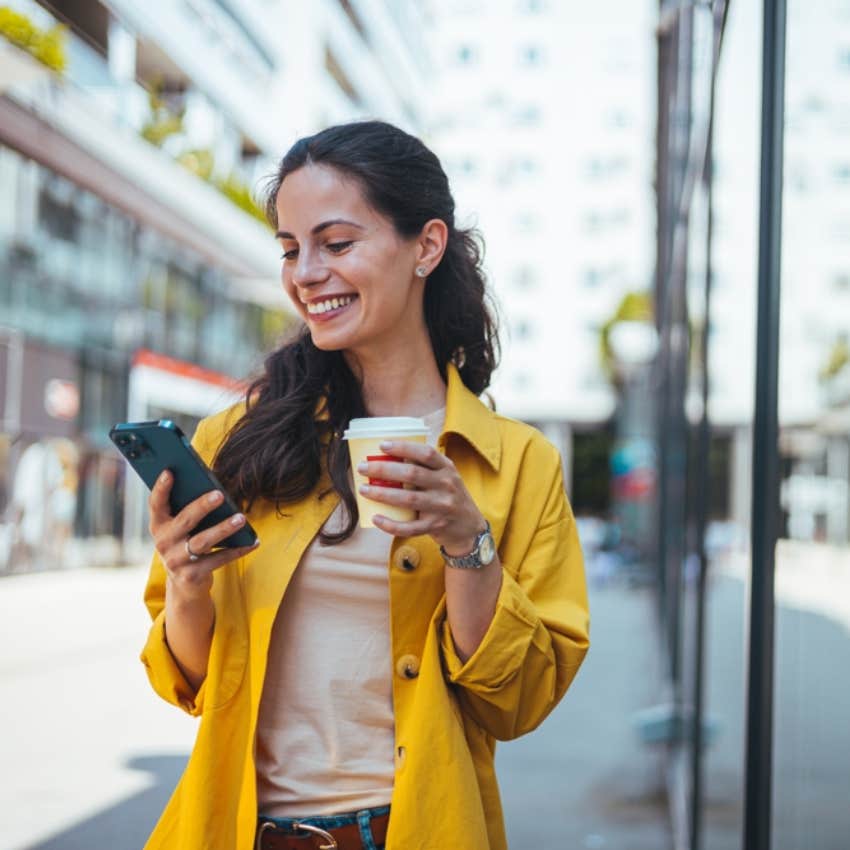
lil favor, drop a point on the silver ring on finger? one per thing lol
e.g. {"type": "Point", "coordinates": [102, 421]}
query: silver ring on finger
{"type": "Point", "coordinates": [193, 556]}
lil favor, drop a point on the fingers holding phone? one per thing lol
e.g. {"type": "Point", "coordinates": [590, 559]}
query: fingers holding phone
{"type": "Point", "coordinates": [188, 557]}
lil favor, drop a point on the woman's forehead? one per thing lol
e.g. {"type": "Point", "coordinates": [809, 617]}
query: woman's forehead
{"type": "Point", "coordinates": [314, 191]}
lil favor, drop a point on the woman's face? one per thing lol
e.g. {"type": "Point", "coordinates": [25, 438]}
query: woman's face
{"type": "Point", "coordinates": [349, 274]}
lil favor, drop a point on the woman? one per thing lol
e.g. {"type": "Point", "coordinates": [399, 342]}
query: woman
{"type": "Point", "coordinates": [351, 682]}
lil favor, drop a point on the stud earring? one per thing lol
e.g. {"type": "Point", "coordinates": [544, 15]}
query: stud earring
{"type": "Point", "coordinates": [421, 271]}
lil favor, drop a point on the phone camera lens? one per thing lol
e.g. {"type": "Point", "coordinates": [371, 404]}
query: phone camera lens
{"type": "Point", "coordinates": [133, 453]}
{"type": "Point", "coordinates": [123, 440]}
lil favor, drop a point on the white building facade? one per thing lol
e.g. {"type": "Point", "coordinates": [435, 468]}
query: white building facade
{"type": "Point", "coordinates": [545, 122]}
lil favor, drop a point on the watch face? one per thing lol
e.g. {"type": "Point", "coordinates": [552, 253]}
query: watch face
{"type": "Point", "coordinates": [487, 550]}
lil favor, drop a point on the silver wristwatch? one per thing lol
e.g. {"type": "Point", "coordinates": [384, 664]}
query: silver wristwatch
{"type": "Point", "coordinates": [482, 553]}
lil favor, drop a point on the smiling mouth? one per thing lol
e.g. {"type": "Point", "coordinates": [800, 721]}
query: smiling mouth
{"type": "Point", "coordinates": [330, 305]}
{"type": "Point", "coordinates": [324, 311]}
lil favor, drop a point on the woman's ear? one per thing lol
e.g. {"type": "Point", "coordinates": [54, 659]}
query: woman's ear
{"type": "Point", "coordinates": [431, 245]}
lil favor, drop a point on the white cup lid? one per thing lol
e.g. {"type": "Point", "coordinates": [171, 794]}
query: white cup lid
{"type": "Point", "coordinates": [384, 426]}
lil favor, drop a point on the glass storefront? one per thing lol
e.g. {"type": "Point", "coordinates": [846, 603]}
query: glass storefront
{"type": "Point", "coordinates": [82, 288]}
{"type": "Point", "coordinates": [706, 292]}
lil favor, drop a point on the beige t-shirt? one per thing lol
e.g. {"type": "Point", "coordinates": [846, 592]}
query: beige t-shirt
{"type": "Point", "coordinates": [325, 735]}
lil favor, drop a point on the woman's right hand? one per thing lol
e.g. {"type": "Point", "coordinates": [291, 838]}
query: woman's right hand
{"type": "Point", "coordinates": [171, 534]}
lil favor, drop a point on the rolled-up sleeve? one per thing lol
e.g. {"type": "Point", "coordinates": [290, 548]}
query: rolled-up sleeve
{"type": "Point", "coordinates": [164, 673]}
{"type": "Point", "coordinates": [162, 669]}
{"type": "Point", "coordinates": [539, 634]}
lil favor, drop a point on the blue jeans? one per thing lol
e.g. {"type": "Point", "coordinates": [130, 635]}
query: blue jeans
{"type": "Point", "coordinates": [361, 818]}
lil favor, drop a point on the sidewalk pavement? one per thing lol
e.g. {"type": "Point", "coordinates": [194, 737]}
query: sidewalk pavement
{"type": "Point", "coordinates": [91, 754]}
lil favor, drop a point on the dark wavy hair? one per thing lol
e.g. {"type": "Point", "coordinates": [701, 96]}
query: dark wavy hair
{"type": "Point", "coordinates": [277, 449]}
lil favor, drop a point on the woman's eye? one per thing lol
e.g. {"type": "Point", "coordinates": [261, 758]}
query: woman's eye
{"type": "Point", "coordinates": [289, 255]}
{"type": "Point", "coordinates": [337, 247]}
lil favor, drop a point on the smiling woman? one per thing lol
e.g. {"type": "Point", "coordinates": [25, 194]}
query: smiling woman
{"type": "Point", "coordinates": [352, 679]}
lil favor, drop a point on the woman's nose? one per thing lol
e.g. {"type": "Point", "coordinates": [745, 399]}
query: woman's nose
{"type": "Point", "coordinates": [308, 270]}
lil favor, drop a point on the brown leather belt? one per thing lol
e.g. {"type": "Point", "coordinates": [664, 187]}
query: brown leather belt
{"type": "Point", "coordinates": [312, 838]}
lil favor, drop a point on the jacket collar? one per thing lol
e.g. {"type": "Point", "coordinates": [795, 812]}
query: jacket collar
{"type": "Point", "coordinates": [468, 417]}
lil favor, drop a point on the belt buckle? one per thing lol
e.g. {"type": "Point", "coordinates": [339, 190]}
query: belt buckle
{"type": "Point", "coordinates": [306, 827]}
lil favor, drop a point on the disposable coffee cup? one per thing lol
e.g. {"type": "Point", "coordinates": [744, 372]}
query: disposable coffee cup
{"type": "Point", "coordinates": [364, 444]}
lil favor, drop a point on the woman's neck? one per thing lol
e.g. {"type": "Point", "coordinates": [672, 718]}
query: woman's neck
{"type": "Point", "coordinates": [407, 384]}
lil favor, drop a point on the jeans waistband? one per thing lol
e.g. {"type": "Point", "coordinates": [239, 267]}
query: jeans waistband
{"type": "Point", "coordinates": [327, 821]}
{"type": "Point", "coordinates": [364, 829]}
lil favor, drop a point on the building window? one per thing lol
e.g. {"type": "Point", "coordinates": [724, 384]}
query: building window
{"type": "Point", "coordinates": [530, 55]}
{"type": "Point", "coordinates": [593, 277]}
{"type": "Point", "coordinates": [528, 115]}
{"type": "Point", "coordinates": [465, 54]}
{"type": "Point", "coordinates": [523, 329]}
{"type": "Point", "coordinates": [619, 119]}
{"type": "Point", "coordinates": [57, 212]}
{"type": "Point", "coordinates": [598, 168]}
{"type": "Point", "coordinates": [841, 282]}
{"type": "Point", "coordinates": [592, 222]}
{"type": "Point", "coordinates": [842, 172]}
{"type": "Point", "coordinates": [597, 220]}
{"type": "Point", "coordinates": [526, 222]}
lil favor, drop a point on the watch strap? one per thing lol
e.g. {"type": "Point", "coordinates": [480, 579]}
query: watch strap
{"type": "Point", "coordinates": [472, 560]}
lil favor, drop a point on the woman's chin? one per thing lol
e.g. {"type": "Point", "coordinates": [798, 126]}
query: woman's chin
{"type": "Point", "coordinates": [326, 341]}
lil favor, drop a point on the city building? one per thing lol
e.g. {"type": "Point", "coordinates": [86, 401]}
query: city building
{"type": "Point", "coordinates": [544, 120]}
{"type": "Point", "coordinates": [137, 275]}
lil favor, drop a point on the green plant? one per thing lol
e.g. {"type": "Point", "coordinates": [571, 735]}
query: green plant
{"type": "Point", "coordinates": [164, 119]}
{"type": "Point", "coordinates": [47, 46]}
{"type": "Point", "coordinates": [199, 161]}
{"type": "Point", "coordinates": [239, 193]}
{"type": "Point", "coordinates": [838, 359]}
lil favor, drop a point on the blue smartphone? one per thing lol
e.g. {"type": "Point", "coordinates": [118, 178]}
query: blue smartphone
{"type": "Point", "coordinates": [152, 447]}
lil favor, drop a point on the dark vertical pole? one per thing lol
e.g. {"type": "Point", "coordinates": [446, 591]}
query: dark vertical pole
{"type": "Point", "coordinates": [702, 499]}
{"type": "Point", "coordinates": [677, 433]}
{"type": "Point", "coordinates": [765, 507]}
{"type": "Point", "coordinates": [701, 518]}
{"type": "Point", "coordinates": [704, 448]}
{"type": "Point", "coordinates": [662, 265]}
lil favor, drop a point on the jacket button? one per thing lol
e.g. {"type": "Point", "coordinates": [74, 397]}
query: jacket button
{"type": "Point", "coordinates": [406, 558]}
{"type": "Point", "coordinates": [407, 667]}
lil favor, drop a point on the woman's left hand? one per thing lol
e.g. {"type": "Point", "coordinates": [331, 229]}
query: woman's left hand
{"type": "Point", "coordinates": [445, 508]}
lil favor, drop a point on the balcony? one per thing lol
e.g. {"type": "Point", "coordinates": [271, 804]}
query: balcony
{"type": "Point", "coordinates": [99, 113]}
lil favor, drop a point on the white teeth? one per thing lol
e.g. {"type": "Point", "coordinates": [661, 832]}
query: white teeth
{"type": "Point", "coordinates": [330, 304]}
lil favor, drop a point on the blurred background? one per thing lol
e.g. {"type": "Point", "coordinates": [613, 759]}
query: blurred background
{"type": "Point", "coordinates": [611, 154]}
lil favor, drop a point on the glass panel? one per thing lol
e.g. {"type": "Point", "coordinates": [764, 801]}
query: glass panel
{"type": "Point", "coordinates": [812, 691]}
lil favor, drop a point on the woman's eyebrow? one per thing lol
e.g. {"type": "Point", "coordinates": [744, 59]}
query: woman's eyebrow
{"type": "Point", "coordinates": [282, 234]}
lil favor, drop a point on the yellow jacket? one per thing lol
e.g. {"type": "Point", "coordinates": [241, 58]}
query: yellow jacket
{"type": "Point", "coordinates": [445, 795]}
